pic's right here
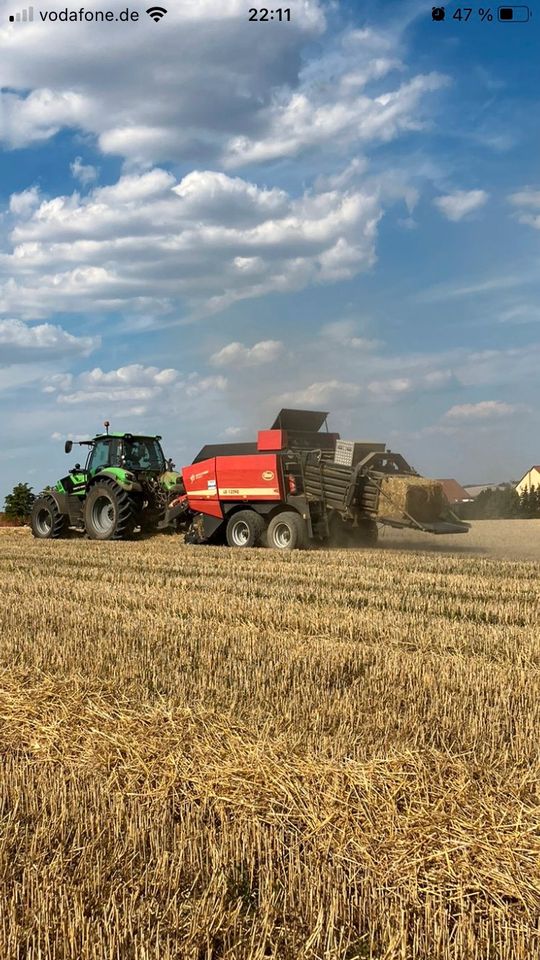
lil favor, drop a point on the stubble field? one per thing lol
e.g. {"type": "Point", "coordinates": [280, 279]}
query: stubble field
{"type": "Point", "coordinates": [209, 753]}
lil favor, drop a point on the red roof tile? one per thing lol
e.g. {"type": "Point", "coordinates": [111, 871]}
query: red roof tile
{"type": "Point", "coordinates": [453, 491]}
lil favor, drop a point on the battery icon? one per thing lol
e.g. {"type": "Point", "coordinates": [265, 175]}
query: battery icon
{"type": "Point", "coordinates": [514, 14]}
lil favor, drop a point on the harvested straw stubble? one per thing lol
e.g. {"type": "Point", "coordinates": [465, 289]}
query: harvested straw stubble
{"type": "Point", "coordinates": [246, 755]}
{"type": "Point", "coordinates": [421, 498]}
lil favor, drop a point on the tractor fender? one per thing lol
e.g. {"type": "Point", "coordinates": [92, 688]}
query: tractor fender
{"type": "Point", "coordinates": [60, 499]}
{"type": "Point", "coordinates": [107, 475]}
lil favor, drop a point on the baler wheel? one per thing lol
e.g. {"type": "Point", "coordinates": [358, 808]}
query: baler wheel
{"type": "Point", "coordinates": [287, 531]}
{"type": "Point", "coordinates": [245, 529]}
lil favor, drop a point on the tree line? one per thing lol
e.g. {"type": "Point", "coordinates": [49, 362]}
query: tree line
{"type": "Point", "coordinates": [501, 503]}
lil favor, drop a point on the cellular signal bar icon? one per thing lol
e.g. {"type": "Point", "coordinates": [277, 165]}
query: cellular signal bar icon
{"type": "Point", "coordinates": [25, 16]}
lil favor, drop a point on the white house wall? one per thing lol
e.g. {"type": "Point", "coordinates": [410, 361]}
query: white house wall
{"type": "Point", "coordinates": [530, 480]}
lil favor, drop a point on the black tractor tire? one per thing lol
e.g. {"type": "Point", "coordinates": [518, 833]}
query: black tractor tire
{"type": "Point", "coordinates": [245, 529]}
{"type": "Point", "coordinates": [287, 531]}
{"type": "Point", "coordinates": [46, 521]}
{"type": "Point", "coordinates": [109, 512]}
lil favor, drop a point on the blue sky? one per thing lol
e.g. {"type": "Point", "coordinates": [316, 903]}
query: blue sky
{"type": "Point", "coordinates": [205, 219]}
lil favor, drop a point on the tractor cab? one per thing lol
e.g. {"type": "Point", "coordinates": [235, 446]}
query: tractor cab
{"type": "Point", "coordinates": [113, 452]}
{"type": "Point", "coordinates": [126, 452]}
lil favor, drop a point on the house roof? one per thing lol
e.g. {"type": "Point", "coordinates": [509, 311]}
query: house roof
{"type": "Point", "coordinates": [527, 472]}
{"type": "Point", "coordinates": [453, 491]}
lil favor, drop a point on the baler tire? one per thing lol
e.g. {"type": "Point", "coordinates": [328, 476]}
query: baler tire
{"type": "Point", "coordinates": [287, 531]}
{"type": "Point", "coordinates": [46, 521]}
{"type": "Point", "coordinates": [121, 505]}
{"type": "Point", "coordinates": [245, 529]}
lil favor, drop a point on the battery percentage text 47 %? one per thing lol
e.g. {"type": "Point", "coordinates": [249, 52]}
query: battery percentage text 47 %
{"type": "Point", "coordinates": [464, 13]}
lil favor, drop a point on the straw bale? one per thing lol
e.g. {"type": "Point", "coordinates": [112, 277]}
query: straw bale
{"type": "Point", "coordinates": [421, 498]}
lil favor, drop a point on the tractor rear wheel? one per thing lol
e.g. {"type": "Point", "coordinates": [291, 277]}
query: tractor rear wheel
{"type": "Point", "coordinates": [109, 512]}
{"type": "Point", "coordinates": [245, 529]}
{"type": "Point", "coordinates": [46, 521]}
{"type": "Point", "coordinates": [287, 531]}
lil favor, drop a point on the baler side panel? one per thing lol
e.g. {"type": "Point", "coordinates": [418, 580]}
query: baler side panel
{"type": "Point", "coordinates": [200, 482]}
{"type": "Point", "coordinates": [211, 508]}
{"type": "Point", "coordinates": [249, 478]}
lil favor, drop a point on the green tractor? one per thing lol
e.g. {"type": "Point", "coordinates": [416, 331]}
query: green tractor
{"type": "Point", "coordinates": [125, 484]}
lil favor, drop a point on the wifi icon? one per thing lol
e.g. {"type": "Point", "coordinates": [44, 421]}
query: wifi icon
{"type": "Point", "coordinates": [157, 13]}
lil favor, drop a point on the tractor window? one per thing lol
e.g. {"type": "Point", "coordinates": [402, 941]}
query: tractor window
{"type": "Point", "coordinates": [100, 456]}
{"type": "Point", "coordinates": [143, 453]}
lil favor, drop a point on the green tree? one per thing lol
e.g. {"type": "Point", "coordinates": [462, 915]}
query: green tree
{"type": "Point", "coordinates": [527, 504]}
{"type": "Point", "coordinates": [501, 503]}
{"type": "Point", "coordinates": [535, 502]}
{"type": "Point", "coordinates": [18, 503]}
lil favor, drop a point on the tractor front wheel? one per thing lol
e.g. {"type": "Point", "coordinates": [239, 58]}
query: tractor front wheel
{"type": "Point", "coordinates": [109, 512]}
{"type": "Point", "coordinates": [46, 521]}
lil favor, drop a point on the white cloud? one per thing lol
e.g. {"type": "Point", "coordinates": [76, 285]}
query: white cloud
{"type": "Point", "coordinates": [39, 115]}
{"type": "Point", "coordinates": [528, 203]}
{"type": "Point", "coordinates": [487, 286]}
{"type": "Point", "coordinates": [484, 410]}
{"type": "Point", "coordinates": [130, 390]}
{"type": "Point", "coordinates": [237, 355]}
{"type": "Point", "coordinates": [216, 197]}
{"type": "Point", "coordinates": [322, 392]}
{"type": "Point", "coordinates": [457, 205]}
{"type": "Point", "coordinates": [520, 313]}
{"type": "Point", "coordinates": [344, 116]}
{"type": "Point", "coordinates": [112, 395]}
{"type": "Point", "coordinates": [209, 89]}
{"type": "Point", "coordinates": [528, 197]}
{"type": "Point", "coordinates": [196, 82]}
{"type": "Point", "coordinates": [86, 173]}
{"type": "Point", "coordinates": [344, 333]}
{"type": "Point", "coordinates": [58, 382]}
{"type": "Point", "coordinates": [153, 247]}
{"type": "Point", "coordinates": [23, 204]}
{"type": "Point", "coordinates": [196, 386]}
{"type": "Point", "coordinates": [348, 95]}
{"type": "Point", "coordinates": [389, 389]}
{"type": "Point", "coordinates": [20, 342]}
{"type": "Point", "coordinates": [134, 373]}
{"type": "Point", "coordinates": [209, 241]}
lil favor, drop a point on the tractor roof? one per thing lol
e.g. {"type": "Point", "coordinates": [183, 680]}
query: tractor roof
{"type": "Point", "coordinates": [127, 436]}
